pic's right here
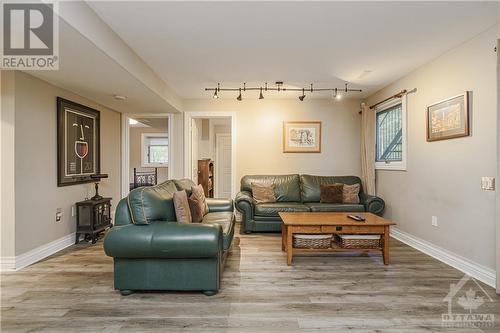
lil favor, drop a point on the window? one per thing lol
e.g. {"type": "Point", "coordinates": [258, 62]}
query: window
{"type": "Point", "coordinates": [154, 150]}
{"type": "Point", "coordinates": [390, 144]}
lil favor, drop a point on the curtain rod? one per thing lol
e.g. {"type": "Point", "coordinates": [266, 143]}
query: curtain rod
{"type": "Point", "coordinates": [398, 95]}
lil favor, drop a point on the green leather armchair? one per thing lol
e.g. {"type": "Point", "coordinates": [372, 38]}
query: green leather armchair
{"type": "Point", "coordinates": [295, 193]}
{"type": "Point", "coordinates": [152, 251]}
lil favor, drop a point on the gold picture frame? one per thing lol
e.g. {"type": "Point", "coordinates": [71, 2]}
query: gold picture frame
{"type": "Point", "coordinates": [449, 118]}
{"type": "Point", "coordinates": [302, 137]}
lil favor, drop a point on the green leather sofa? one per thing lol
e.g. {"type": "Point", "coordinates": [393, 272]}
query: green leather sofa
{"type": "Point", "coordinates": [295, 193]}
{"type": "Point", "coordinates": [151, 251]}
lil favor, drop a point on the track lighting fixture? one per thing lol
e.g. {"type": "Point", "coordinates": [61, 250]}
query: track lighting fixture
{"type": "Point", "coordinates": [279, 87]}
{"type": "Point", "coordinates": [303, 95]}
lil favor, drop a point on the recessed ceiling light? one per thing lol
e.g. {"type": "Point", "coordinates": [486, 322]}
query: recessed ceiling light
{"type": "Point", "coordinates": [119, 97]}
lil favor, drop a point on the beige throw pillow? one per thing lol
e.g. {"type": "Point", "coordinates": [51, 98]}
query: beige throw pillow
{"type": "Point", "coordinates": [181, 206]}
{"type": "Point", "coordinates": [198, 203]}
{"type": "Point", "coordinates": [350, 194]}
{"type": "Point", "coordinates": [263, 193]}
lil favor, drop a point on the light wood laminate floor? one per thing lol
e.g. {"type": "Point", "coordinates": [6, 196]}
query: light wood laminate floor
{"type": "Point", "coordinates": [72, 291]}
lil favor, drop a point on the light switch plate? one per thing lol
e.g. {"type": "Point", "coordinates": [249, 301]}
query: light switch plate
{"type": "Point", "coordinates": [488, 183]}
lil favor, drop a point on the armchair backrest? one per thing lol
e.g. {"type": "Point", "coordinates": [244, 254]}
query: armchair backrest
{"type": "Point", "coordinates": [286, 187]}
{"type": "Point", "coordinates": [310, 185]}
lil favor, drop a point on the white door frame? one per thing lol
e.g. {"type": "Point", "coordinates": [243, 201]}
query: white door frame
{"type": "Point", "coordinates": [188, 117]}
{"type": "Point", "coordinates": [217, 166]}
{"type": "Point", "coordinates": [125, 179]}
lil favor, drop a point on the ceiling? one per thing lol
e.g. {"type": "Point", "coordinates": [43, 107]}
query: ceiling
{"type": "Point", "coordinates": [193, 45]}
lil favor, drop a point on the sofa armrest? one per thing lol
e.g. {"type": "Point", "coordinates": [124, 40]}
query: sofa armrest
{"type": "Point", "coordinates": [244, 204]}
{"type": "Point", "coordinates": [220, 205]}
{"type": "Point", "coordinates": [122, 213]}
{"type": "Point", "coordinates": [162, 239]}
{"type": "Point", "coordinates": [372, 203]}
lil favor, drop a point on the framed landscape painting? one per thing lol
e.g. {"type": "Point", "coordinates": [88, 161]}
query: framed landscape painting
{"type": "Point", "coordinates": [449, 118]}
{"type": "Point", "coordinates": [78, 143]}
{"type": "Point", "coordinates": [302, 137]}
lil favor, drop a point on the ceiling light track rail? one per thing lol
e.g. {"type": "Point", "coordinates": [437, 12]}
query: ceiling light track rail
{"type": "Point", "coordinates": [337, 92]}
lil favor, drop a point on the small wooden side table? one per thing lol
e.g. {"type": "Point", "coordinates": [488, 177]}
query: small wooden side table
{"type": "Point", "coordinates": [92, 218]}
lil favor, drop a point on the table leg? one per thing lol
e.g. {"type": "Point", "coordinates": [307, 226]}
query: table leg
{"type": "Point", "coordinates": [289, 245]}
{"type": "Point", "coordinates": [283, 236]}
{"type": "Point", "coordinates": [385, 250]}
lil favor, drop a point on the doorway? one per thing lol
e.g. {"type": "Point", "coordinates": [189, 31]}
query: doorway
{"type": "Point", "coordinates": [146, 148]}
{"type": "Point", "coordinates": [209, 138]}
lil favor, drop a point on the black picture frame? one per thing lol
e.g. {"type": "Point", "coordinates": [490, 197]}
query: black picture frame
{"type": "Point", "coordinates": [78, 143]}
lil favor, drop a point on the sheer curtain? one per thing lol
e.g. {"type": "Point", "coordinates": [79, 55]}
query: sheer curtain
{"type": "Point", "coordinates": [368, 149]}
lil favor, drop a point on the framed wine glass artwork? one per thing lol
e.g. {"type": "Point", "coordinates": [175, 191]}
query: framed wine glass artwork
{"type": "Point", "coordinates": [78, 142]}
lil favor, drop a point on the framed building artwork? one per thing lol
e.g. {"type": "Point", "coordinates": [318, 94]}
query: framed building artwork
{"type": "Point", "coordinates": [449, 118]}
{"type": "Point", "coordinates": [302, 137]}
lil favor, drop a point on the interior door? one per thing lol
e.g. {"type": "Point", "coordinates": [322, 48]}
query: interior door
{"type": "Point", "coordinates": [223, 165]}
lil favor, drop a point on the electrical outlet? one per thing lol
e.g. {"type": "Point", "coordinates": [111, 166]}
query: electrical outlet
{"type": "Point", "coordinates": [434, 221]}
{"type": "Point", "coordinates": [59, 214]}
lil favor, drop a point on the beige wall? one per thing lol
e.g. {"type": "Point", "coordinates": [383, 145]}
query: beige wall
{"type": "Point", "coordinates": [7, 166]}
{"type": "Point", "coordinates": [135, 151]}
{"type": "Point", "coordinates": [443, 178]}
{"type": "Point", "coordinates": [259, 135]}
{"type": "Point", "coordinates": [37, 195]}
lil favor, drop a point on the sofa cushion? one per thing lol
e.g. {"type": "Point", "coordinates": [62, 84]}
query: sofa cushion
{"type": "Point", "coordinates": [225, 220]}
{"type": "Point", "coordinates": [152, 203]}
{"type": "Point", "coordinates": [184, 185]}
{"type": "Point", "coordinates": [263, 193]}
{"type": "Point", "coordinates": [310, 185]}
{"type": "Point", "coordinates": [272, 209]}
{"type": "Point", "coordinates": [181, 205]}
{"type": "Point", "coordinates": [286, 187]}
{"type": "Point", "coordinates": [331, 193]}
{"type": "Point", "coordinates": [331, 207]}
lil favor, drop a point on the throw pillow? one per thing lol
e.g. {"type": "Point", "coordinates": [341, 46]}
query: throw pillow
{"type": "Point", "coordinates": [198, 203]}
{"type": "Point", "coordinates": [181, 205]}
{"type": "Point", "coordinates": [350, 194]}
{"type": "Point", "coordinates": [263, 193]}
{"type": "Point", "coordinates": [331, 193]}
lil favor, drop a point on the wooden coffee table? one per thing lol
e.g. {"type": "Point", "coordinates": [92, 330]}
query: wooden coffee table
{"type": "Point", "coordinates": [332, 223]}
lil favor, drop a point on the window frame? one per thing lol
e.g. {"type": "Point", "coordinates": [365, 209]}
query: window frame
{"type": "Point", "coordinates": [393, 165]}
{"type": "Point", "coordinates": [145, 148]}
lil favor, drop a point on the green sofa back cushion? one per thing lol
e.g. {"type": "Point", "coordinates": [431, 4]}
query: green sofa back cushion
{"type": "Point", "coordinates": [311, 185]}
{"type": "Point", "coordinates": [184, 185]}
{"type": "Point", "coordinates": [286, 187]}
{"type": "Point", "coordinates": [152, 203]}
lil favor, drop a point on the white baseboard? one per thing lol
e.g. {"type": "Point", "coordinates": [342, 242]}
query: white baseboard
{"type": "Point", "coordinates": [475, 270]}
{"type": "Point", "coordinates": [7, 264]}
{"type": "Point", "coordinates": [37, 254]}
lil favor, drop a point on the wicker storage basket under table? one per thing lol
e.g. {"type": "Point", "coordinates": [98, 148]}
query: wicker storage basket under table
{"type": "Point", "coordinates": [322, 241]}
{"type": "Point", "coordinates": [359, 241]}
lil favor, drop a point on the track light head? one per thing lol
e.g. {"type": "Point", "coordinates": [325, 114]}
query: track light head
{"type": "Point", "coordinates": [303, 95]}
{"type": "Point", "coordinates": [338, 97]}
{"type": "Point", "coordinates": [239, 98]}
{"type": "Point", "coordinates": [261, 96]}
{"type": "Point", "coordinates": [215, 94]}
